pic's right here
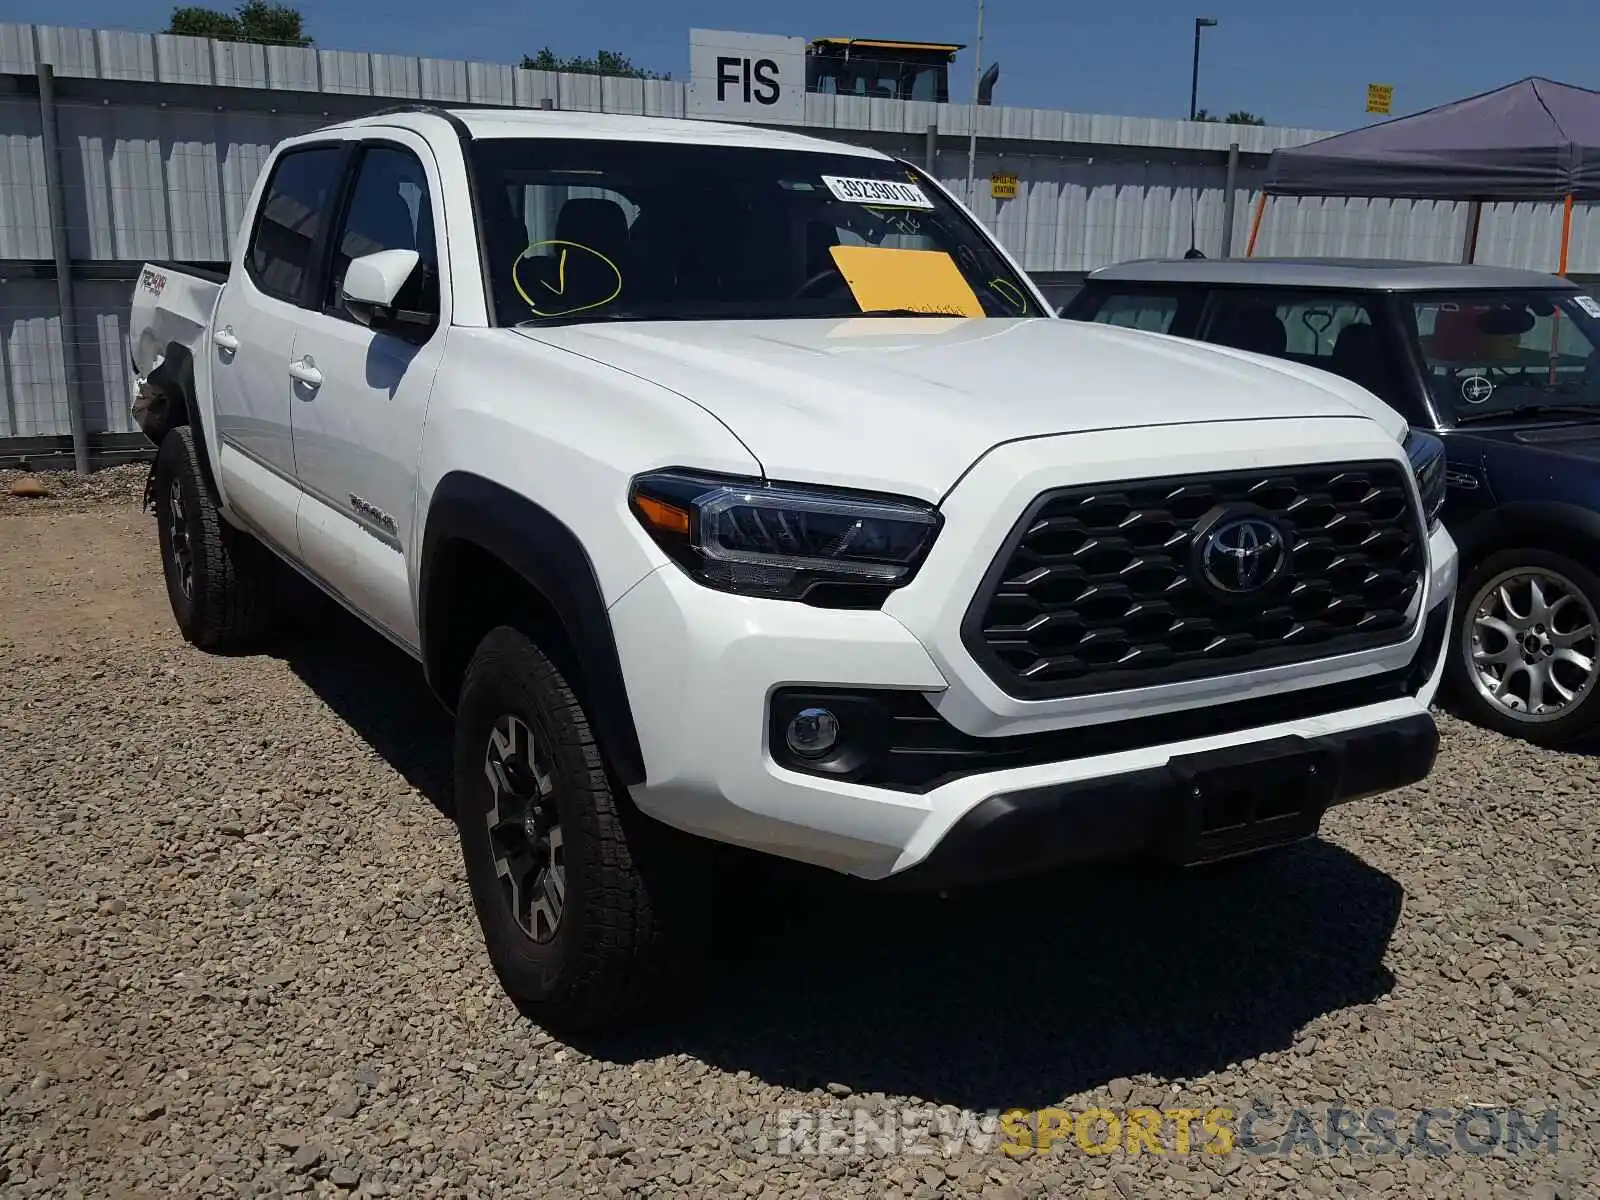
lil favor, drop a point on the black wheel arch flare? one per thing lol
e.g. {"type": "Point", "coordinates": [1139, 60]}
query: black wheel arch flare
{"type": "Point", "coordinates": [1520, 520]}
{"type": "Point", "coordinates": [549, 559]}
{"type": "Point", "coordinates": [175, 377]}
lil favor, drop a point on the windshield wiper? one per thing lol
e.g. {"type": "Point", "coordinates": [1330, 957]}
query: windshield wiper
{"type": "Point", "coordinates": [745, 314]}
{"type": "Point", "coordinates": [1518, 410]}
{"type": "Point", "coordinates": [583, 318]}
{"type": "Point", "coordinates": [902, 312]}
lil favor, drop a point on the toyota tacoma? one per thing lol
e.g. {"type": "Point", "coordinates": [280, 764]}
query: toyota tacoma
{"type": "Point", "coordinates": [733, 486]}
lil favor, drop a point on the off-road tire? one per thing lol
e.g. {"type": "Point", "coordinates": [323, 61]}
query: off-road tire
{"type": "Point", "coordinates": [1581, 720]}
{"type": "Point", "coordinates": [232, 580]}
{"type": "Point", "coordinates": [632, 920]}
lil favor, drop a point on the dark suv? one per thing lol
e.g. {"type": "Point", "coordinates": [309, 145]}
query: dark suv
{"type": "Point", "coordinates": [1502, 365]}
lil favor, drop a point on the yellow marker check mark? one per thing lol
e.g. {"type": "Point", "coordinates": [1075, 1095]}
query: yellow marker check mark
{"type": "Point", "coordinates": [561, 275]}
{"type": "Point", "coordinates": [560, 286]}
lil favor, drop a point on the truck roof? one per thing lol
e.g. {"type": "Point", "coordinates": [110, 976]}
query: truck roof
{"type": "Point", "coordinates": [493, 123]}
{"type": "Point", "coordinates": [1349, 274]}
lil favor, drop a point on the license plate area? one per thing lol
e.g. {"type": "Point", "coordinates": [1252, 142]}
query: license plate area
{"type": "Point", "coordinates": [1238, 800]}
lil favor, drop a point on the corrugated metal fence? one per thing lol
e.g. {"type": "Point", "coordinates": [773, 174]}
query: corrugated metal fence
{"type": "Point", "coordinates": [160, 139]}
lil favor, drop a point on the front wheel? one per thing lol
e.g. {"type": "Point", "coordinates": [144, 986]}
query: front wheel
{"type": "Point", "coordinates": [572, 890]}
{"type": "Point", "coordinates": [1525, 653]}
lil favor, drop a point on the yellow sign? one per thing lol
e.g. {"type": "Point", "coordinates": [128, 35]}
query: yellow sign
{"type": "Point", "coordinates": [922, 280]}
{"type": "Point", "coordinates": [1380, 97]}
{"type": "Point", "coordinates": [1003, 186]}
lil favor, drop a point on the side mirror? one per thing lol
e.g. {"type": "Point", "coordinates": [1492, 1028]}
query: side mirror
{"type": "Point", "coordinates": [389, 292]}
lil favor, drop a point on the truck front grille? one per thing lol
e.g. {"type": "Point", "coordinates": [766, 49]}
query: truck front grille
{"type": "Point", "coordinates": [1156, 581]}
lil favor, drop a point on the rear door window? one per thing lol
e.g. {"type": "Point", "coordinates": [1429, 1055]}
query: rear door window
{"type": "Point", "coordinates": [294, 213]}
{"type": "Point", "coordinates": [1332, 332]}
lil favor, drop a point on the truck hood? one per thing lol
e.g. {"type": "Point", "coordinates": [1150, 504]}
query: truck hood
{"type": "Point", "coordinates": [908, 404]}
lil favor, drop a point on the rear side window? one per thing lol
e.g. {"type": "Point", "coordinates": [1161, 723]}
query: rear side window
{"type": "Point", "coordinates": [294, 211]}
{"type": "Point", "coordinates": [1337, 333]}
{"type": "Point", "coordinates": [1138, 310]}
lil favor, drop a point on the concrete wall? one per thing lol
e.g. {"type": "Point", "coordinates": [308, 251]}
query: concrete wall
{"type": "Point", "coordinates": [161, 138]}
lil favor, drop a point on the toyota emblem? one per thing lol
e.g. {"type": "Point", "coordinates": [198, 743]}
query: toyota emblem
{"type": "Point", "coordinates": [1243, 554]}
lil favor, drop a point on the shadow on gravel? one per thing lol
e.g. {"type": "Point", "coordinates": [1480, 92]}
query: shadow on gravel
{"type": "Point", "coordinates": [1013, 995]}
{"type": "Point", "coordinates": [1018, 995]}
{"type": "Point", "coordinates": [379, 692]}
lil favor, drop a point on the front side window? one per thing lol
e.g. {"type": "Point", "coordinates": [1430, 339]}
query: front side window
{"type": "Point", "coordinates": [1150, 311]}
{"type": "Point", "coordinates": [1494, 354]}
{"type": "Point", "coordinates": [612, 230]}
{"type": "Point", "coordinates": [294, 209]}
{"type": "Point", "coordinates": [389, 209]}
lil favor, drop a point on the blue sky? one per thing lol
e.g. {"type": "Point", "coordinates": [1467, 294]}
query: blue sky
{"type": "Point", "coordinates": [1294, 63]}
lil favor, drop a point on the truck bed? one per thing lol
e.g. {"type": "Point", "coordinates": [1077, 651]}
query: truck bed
{"type": "Point", "coordinates": [172, 306]}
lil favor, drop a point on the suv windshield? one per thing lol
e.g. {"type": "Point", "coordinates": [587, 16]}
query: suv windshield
{"type": "Point", "coordinates": [1493, 354]}
{"type": "Point", "coordinates": [578, 230]}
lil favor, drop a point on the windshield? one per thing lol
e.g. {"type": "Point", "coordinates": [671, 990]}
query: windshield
{"type": "Point", "coordinates": [579, 230]}
{"type": "Point", "coordinates": [1492, 354]}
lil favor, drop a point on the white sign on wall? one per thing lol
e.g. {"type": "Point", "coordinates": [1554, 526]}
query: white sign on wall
{"type": "Point", "coordinates": [747, 77]}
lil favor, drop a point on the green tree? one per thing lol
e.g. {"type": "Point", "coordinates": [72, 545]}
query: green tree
{"type": "Point", "coordinates": [605, 62]}
{"type": "Point", "coordinates": [253, 21]}
{"type": "Point", "coordinates": [1237, 117]}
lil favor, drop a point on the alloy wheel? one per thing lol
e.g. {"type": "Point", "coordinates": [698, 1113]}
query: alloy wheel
{"type": "Point", "coordinates": [1531, 644]}
{"type": "Point", "coordinates": [178, 539]}
{"type": "Point", "coordinates": [525, 828]}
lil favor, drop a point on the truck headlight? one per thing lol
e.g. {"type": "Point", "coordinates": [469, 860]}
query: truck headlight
{"type": "Point", "coordinates": [831, 548]}
{"type": "Point", "coordinates": [1426, 453]}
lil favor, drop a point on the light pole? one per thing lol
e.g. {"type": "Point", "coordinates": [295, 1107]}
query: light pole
{"type": "Point", "coordinates": [1194, 75]}
{"type": "Point", "coordinates": [972, 134]}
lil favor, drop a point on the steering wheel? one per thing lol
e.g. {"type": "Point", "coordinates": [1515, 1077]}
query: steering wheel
{"type": "Point", "coordinates": [812, 286]}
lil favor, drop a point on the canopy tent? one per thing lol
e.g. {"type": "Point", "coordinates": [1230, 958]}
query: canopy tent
{"type": "Point", "coordinates": [1533, 140]}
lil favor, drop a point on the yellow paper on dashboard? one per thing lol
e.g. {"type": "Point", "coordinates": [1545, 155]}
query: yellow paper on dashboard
{"type": "Point", "coordinates": [923, 280]}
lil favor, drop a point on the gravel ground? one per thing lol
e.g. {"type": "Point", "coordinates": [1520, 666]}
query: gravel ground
{"type": "Point", "coordinates": [239, 959]}
{"type": "Point", "coordinates": [28, 491]}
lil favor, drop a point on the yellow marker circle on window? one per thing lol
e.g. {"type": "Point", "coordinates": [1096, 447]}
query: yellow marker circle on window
{"type": "Point", "coordinates": [563, 262]}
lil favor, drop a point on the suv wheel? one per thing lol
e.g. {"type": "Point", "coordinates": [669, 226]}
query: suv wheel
{"type": "Point", "coordinates": [222, 583]}
{"type": "Point", "coordinates": [1525, 657]}
{"type": "Point", "coordinates": [561, 869]}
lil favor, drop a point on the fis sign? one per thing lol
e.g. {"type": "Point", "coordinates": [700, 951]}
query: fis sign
{"type": "Point", "coordinates": [747, 77]}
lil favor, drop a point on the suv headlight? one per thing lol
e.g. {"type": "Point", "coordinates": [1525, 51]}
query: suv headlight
{"type": "Point", "coordinates": [831, 548]}
{"type": "Point", "coordinates": [1426, 453]}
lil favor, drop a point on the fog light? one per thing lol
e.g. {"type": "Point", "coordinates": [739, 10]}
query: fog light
{"type": "Point", "coordinates": [812, 733]}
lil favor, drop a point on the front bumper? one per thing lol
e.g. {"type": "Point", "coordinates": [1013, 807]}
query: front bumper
{"type": "Point", "coordinates": [703, 670]}
{"type": "Point", "coordinates": [706, 672]}
{"type": "Point", "coordinates": [1261, 794]}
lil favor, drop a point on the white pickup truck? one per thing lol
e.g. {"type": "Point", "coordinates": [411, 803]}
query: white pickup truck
{"type": "Point", "coordinates": [730, 483]}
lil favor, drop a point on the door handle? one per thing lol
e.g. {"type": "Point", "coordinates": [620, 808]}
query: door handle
{"type": "Point", "coordinates": [305, 370]}
{"type": "Point", "coordinates": [224, 338]}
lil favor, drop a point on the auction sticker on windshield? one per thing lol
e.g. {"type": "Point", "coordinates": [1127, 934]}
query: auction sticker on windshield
{"type": "Point", "coordinates": [894, 192]}
{"type": "Point", "coordinates": [1587, 303]}
{"type": "Point", "coordinates": [920, 280]}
